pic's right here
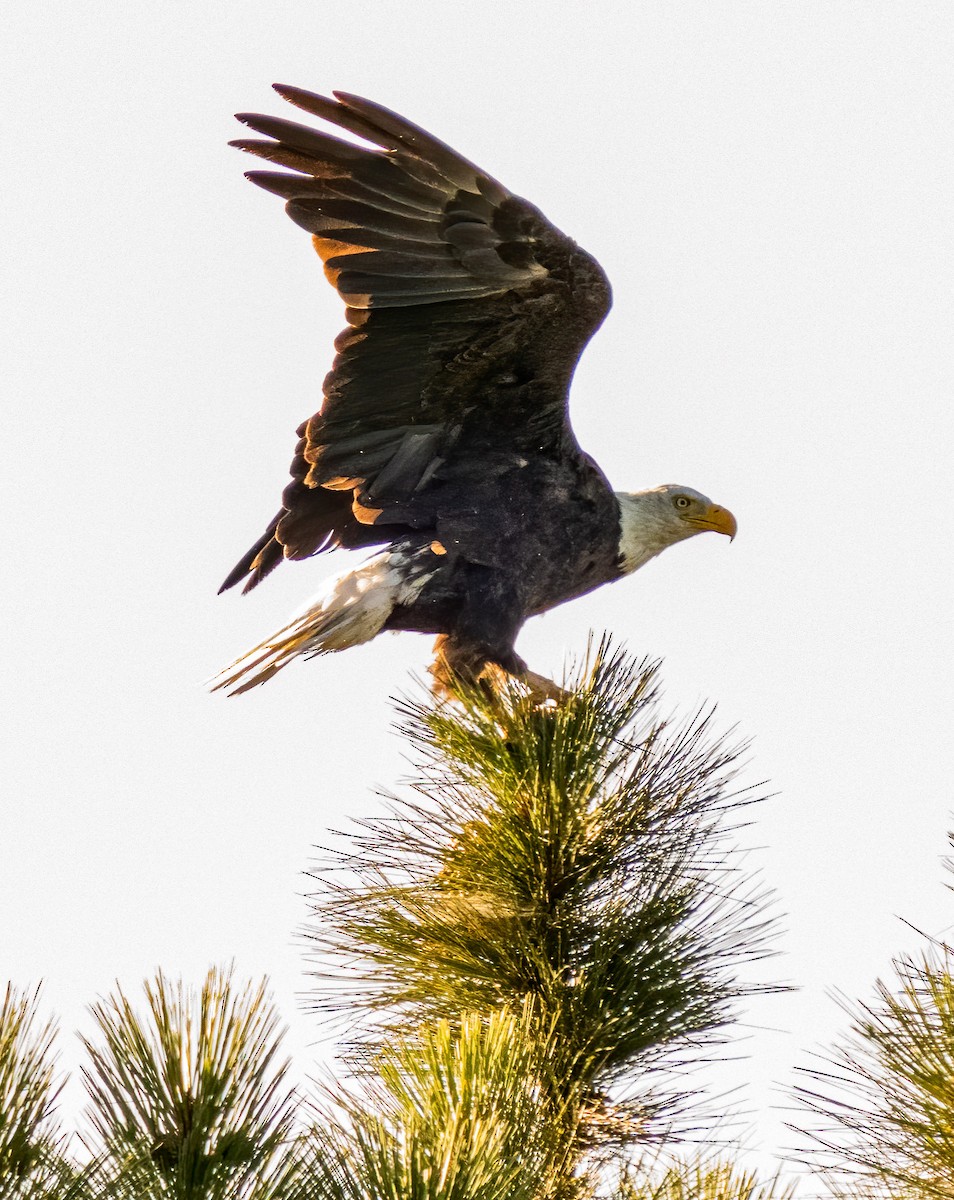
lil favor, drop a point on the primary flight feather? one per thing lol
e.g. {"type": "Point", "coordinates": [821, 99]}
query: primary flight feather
{"type": "Point", "coordinates": [443, 434]}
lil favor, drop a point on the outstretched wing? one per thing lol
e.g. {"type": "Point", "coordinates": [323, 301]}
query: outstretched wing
{"type": "Point", "coordinates": [467, 312]}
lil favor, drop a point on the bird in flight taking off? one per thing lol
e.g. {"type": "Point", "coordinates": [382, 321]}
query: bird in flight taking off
{"type": "Point", "coordinates": [443, 440]}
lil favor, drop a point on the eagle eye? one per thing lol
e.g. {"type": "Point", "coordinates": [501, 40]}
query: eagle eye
{"type": "Point", "coordinates": [682, 502]}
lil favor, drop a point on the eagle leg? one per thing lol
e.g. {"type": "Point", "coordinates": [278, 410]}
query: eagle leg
{"type": "Point", "coordinates": [454, 666]}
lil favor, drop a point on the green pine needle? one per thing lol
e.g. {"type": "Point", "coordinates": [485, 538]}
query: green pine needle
{"type": "Point", "coordinates": [574, 855]}
{"type": "Point", "coordinates": [189, 1102]}
{"type": "Point", "coordinates": [887, 1102]}
{"type": "Point", "coordinates": [458, 1113]}
{"type": "Point", "coordinates": [31, 1145]}
{"type": "Point", "coordinates": [703, 1179]}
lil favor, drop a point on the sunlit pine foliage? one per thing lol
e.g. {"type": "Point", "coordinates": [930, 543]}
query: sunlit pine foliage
{"type": "Point", "coordinates": [188, 1101]}
{"type": "Point", "coordinates": [578, 855]}
{"type": "Point", "coordinates": [886, 1099]}
{"type": "Point", "coordinates": [32, 1162]}
{"type": "Point", "coordinates": [456, 1113]}
{"type": "Point", "coordinates": [702, 1179]}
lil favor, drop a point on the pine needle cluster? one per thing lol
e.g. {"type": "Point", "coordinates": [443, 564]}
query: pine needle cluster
{"type": "Point", "coordinates": [578, 857]}
{"type": "Point", "coordinates": [32, 1147]}
{"type": "Point", "coordinates": [457, 1113]}
{"type": "Point", "coordinates": [702, 1179]}
{"type": "Point", "coordinates": [886, 1102]}
{"type": "Point", "coordinates": [188, 1102]}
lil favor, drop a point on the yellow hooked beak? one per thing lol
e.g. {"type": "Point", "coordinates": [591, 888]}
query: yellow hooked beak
{"type": "Point", "coordinates": [718, 519]}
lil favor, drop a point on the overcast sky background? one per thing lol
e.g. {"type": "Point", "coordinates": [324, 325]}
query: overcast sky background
{"type": "Point", "coordinates": [770, 186]}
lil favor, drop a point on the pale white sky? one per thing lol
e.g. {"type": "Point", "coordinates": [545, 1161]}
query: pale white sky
{"type": "Point", "coordinates": [769, 186]}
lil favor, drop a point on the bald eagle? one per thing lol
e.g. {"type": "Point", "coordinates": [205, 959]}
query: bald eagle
{"type": "Point", "coordinates": [443, 437]}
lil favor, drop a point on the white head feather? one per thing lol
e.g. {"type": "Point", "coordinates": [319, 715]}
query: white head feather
{"type": "Point", "coordinates": [650, 521]}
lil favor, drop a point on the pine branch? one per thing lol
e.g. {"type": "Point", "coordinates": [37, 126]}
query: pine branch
{"type": "Point", "coordinates": [32, 1161]}
{"type": "Point", "coordinates": [454, 1114]}
{"type": "Point", "coordinates": [886, 1098]}
{"type": "Point", "coordinates": [189, 1102]}
{"type": "Point", "coordinates": [577, 856]}
{"type": "Point", "coordinates": [703, 1179]}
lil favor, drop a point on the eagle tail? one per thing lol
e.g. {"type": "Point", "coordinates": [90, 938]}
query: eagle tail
{"type": "Point", "coordinates": [354, 609]}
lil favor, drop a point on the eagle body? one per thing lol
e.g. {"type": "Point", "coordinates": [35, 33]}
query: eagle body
{"type": "Point", "coordinates": [443, 438]}
{"type": "Point", "coordinates": [500, 563]}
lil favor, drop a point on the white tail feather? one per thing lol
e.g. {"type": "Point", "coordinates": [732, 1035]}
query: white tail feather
{"type": "Point", "coordinates": [352, 610]}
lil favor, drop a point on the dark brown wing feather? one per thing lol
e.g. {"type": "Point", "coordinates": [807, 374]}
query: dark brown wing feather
{"type": "Point", "coordinates": [467, 312]}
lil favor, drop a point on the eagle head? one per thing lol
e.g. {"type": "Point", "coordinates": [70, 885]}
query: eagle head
{"type": "Point", "coordinates": [652, 520]}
